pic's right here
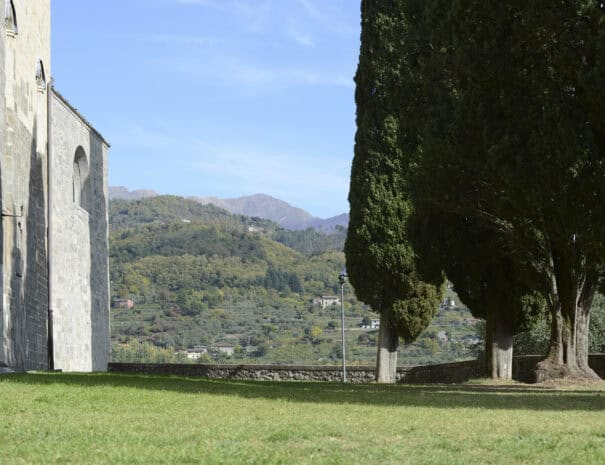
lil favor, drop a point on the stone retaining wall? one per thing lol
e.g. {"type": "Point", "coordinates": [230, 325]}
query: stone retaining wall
{"type": "Point", "coordinates": [444, 373]}
{"type": "Point", "coordinates": [251, 372]}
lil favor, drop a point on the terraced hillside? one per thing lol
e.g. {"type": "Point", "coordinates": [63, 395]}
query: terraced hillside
{"type": "Point", "coordinates": [199, 276]}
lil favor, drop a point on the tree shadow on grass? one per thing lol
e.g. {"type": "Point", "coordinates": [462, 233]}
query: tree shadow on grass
{"type": "Point", "coordinates": [434, 396]}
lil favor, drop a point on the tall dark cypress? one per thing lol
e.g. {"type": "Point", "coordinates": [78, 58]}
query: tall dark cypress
{"type": "Point", "coordinates": [512, 141]}
{"type": "Point", "coordinates": [380, 261]}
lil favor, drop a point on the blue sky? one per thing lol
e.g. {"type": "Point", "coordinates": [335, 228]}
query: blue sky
{"type": "Point", "coordinates": [217, 97]}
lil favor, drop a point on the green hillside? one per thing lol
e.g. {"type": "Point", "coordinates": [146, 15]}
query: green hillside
{"type": "Point", "coordinates": [163, 209]}
{"type": "Point", "coordinates": [201, 276]}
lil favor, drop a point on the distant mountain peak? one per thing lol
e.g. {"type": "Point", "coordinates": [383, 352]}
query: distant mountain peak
{"type": "Point", "coordinates": [256, 205]}
{"type": "Point", "coordinates": [265, 206]}
{"type": "Point", "coordinates": [121, 192]}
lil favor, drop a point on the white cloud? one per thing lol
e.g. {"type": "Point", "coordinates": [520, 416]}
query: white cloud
{"type": "Point", "coordinates": [241, 169]}
{"type": "Point", "coordinates": [256, 76]}
{"type": "Point", "coordinates": [300, 37]}
{"type": "Point", "coordinates": [309, 7]}
{"type": "Point", "coordinates": [175, 39]}
{"type": "Point", "coordinates": [254, 56]}
{"type": "Point", "coordinates": [301, 21]}
{"type": "Point", "coordinates": [247, 74]}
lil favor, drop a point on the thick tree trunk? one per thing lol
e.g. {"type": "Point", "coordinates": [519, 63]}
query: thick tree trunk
{"type": "Point", "coordinates": [568, 355]}
{"type": "Point", "coordinates": [583, 332]}
{"type": "Point", "coordinates": [552, 366]}
{"type": "Point", "coordinates": [499, 344]}
{"type": "Point", "coordinates": [561, 361]}
{"type": "Point", "coordinates": [386, 360]}
{"type": "Point", "coordinates": [570, 311]}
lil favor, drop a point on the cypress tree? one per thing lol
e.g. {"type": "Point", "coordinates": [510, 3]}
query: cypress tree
{"type": "Point", "coordinates": [486, 275]}
{"type": "Point", "coordinates": [512, 138]}
{"type": "Point", "coordinates": [380, 261]}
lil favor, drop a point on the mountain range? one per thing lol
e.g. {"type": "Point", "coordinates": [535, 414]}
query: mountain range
{"type": "Point", "coordinates": [257, 205]}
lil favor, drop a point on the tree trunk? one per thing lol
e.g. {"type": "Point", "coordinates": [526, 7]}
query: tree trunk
{"type": "Point", "coordinates": [582, 331]}
{"type": "Point", "coordinates": [499, 343]}
{"type": "Point", "coordinates": [386, 360]}
{"type": "Point", "coordinates": [570, 311]}
{"type": "Point", "coordinates": [552, 366]}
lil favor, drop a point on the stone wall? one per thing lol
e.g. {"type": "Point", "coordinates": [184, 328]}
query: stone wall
{"type": "Point", "coordinates": [457, 372]}
{"type": "Point", "coordinates": [79, 293]}
{"type": "Point", "coordinates": [80, 285]}
{"type": "Point", "coordinates": [446, 373]}
{"type": "Point", "coordinates": [23, 314]}
{"type": "Point", "coordinates": [5, 344]}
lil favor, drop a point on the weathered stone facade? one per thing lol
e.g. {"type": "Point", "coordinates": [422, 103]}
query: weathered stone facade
{"type": "Point", "coordinates": [80, 278]}
{"type": "Point", "coordinates": [57, 320]}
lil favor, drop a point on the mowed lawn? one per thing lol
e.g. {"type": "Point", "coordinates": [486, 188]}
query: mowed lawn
{"type": "Point", "coordinates": [115, 419]}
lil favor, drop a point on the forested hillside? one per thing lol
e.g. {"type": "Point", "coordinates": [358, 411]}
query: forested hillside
{"type": "Point", "coordinates": [201, 276]}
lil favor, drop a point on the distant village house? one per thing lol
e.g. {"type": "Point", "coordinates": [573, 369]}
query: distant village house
{"type": "Point", "coordinates": [196, 352]}
{"type": "Point", "coordinates": [373, 324]}
{"type": "Point", "coordinates": [325, 301]}
{"type": "Point", "coordinates": [123, 303]}
{"type": "Point", "coordinates": [223, 349]}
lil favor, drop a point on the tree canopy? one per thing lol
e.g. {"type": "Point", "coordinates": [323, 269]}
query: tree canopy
{"type": "Point", "coordinates": [509, 109]}
{"type": "Point", "coordinates": [486, 120]}
{"type": "Point", "coordinates": [380, 261]}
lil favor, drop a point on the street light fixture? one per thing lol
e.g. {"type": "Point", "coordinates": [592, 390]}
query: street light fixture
{"type": "Point", "coordinates": [341, 279]}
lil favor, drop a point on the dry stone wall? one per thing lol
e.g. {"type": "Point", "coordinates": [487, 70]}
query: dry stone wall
{"type": "Point", "coordinates": [457, 372]}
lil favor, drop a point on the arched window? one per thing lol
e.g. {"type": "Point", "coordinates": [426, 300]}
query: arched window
{"type": "Point", "coordinates": [40, 75]}
{"type": "Point", "coordinates": [80, 179]}
{"type": "Point", "coordinates": [10, 17]}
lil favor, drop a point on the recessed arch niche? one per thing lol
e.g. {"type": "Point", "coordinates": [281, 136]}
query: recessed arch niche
{"type": "Point", "coordinates": [10, 17]}
{"type": "Point", "coordinates": [80, 184]}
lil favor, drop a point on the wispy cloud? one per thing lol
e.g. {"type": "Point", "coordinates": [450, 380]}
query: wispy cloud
{"type": "Point", "coordinates": [174, 39]}
{"type": "Point", "coordinates": [256, 54]}
{"type": "Point", "coordinates": [238, 96]}
{"type": "Point", "coordinates": [300, 36]}
{"type": "Point", "coordinates": [237, 169]}
{"type": "Point", "coordinates": [250, 74]}
{"type": "Point", "coordinates": [302, 21]}
{"type": "Point", "coordinates": [258, 76]}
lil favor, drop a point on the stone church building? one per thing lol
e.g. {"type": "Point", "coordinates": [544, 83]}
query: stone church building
{"type": "Point", "coordinates": [54, 312]}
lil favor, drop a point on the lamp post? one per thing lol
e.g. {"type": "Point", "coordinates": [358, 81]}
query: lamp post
{"type": "Point", "coordinates": [341, 279]}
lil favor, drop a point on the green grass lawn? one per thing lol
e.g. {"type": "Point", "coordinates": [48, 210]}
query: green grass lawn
{"type": "Point", "coordinates": [115, 419]}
